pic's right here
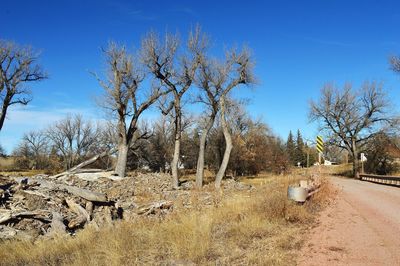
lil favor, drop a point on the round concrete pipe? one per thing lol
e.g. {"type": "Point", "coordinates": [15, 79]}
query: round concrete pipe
{"type": "Point", "coordinates": [298, 194]}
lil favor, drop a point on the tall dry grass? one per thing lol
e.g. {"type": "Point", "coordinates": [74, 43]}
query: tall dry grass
{"type": "Point", "coordinates": [259, 227]}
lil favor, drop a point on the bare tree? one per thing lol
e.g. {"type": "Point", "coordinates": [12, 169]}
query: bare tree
{"type": "Point", "coordinates": [126, 98]}
{"type": "Point", "coordinates": [17, 68]}
{"type": "Point", "coordinates": [22, 155]}
{"type": "Point", "coordinates": [394, 62]}
{"type": "Point", "coordinates": [236, 70]}
{"type": "Point", "coordinates": [351, 117]}
{"type": "Point", "coordinates": [217, 79]}
{"type": "Point", "coordinates": [177, 72]}
{"type": "Point", "coordinates": [38, 144]}
{"type": "Point", "coordinates": [74, 139]}
{"type": "Point", "coordinates": [209, 95]}
{"type": "Point", "coordinates": [33, 151]}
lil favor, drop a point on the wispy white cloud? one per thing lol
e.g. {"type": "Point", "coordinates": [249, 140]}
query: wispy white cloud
{"type": "Point", "coordinates": [134, 13]}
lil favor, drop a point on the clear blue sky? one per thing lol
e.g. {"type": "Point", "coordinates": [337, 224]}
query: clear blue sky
{"type": "Point", "coordinates": [298, 46]}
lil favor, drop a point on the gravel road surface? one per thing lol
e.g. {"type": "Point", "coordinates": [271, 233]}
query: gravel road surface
{"type": "Point", "coordinates": [361, 228]}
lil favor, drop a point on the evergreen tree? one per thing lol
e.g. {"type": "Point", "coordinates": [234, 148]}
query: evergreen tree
{"type": "Point", "coordinates": [300, 155]}
{"type": "Point", "coordinates": [291, 148]}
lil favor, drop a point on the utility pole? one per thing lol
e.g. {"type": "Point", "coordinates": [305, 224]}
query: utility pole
{"type": "Point", "coordinates": [308, 144]}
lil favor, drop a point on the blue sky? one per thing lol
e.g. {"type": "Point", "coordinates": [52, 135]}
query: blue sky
{"type": "Point", "coordinates": [298, 46]}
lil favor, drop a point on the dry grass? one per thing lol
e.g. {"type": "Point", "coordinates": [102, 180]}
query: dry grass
{"type": "Point", "coordinates": [22, 173]}
{"type": "Point", "coordinates": [258, 227]}
{"type": "Point", "coordinates": [343, 170]}
{"type": "Point", "coordinates": [6, 162]}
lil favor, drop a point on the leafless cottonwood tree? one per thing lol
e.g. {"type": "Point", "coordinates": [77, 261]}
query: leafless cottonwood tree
{"type": "Point", "coordinates": [209, 95]}
{"type": "Point", "coordinates": [33, 150]}
{"type": "Point", "coordinates": [176, 71]}
{"type": "Point", "coordinates": [74, 139]}
{"type": "Point", "coordinates": [17, 68]}
{"type": "Point", "coordinates": [235, 70]}
{"type": "Point", "coordinates": [126, 97]}
{"type": "Point", "coordinates": [351, 117]}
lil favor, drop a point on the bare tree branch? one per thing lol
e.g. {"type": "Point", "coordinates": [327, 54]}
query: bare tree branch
{"type": "Point", "coordinates": [17, 68]}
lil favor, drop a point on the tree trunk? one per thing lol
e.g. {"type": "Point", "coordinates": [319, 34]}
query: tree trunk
{"type": "Point", "coordinates": [174, 164]}
{"type": "Point", "coordinates": [177, 147]}
{"type": "Point", "coordinates": [200, 160]}
{"type": "Point", "coordinates": [228, 147]}
{"type": "Point", "coordinates": [122, 157]}
{"type": "Point", "coordinates": [3, 113]}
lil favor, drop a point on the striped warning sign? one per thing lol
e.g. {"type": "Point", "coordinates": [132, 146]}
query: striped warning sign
{"type": "Point", "coordinates": [320, 144]}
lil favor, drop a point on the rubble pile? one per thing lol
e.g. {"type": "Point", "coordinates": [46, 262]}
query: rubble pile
{"type": "Point", "coordinates": [45, 206]}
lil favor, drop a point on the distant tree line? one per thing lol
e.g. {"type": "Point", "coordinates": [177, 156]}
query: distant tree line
{"type": "Point", "coordinates": [63, 144]}
{"type": "Point", "coordinates": [73, 140]}
{"type": "Point", "coordinates": [299, 152]}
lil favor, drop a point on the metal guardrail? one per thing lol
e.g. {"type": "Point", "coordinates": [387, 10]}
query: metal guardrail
{"type": "Point", "coordinates": [381, 179]}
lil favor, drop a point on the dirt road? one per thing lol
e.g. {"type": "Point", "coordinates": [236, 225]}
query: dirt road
{"type": "Point", "coordinates": [361, 228]}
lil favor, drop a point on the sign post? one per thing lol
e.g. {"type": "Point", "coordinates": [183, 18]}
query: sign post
{"type": "Point", "coordinates": [320, 148]}
{"type": "Point", "coordinates": [363, 159]}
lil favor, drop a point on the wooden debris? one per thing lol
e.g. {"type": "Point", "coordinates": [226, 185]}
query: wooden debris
{"type": "Point", "coordinates": [7, 232]}
{"type": "Point", "coordinates": [85, 194]}
{"type": "Point", "coordinates": [82, 214]}
{"type": "Point", "coordinates": [85, 163]}
{"type": "Point", "coordinates": [43, 206]}
{"type": "Point", "coordinates": [89, 208]}
{"type": "Point", "coordinates": [151, 208]}
{"type": "Point", "coordinates": [57, 225]}
{"type": "Point", "coordinates": [38, 205]}
{"type": "Point", "coordinates": [7, 215]}
{"type": "Point", "coordinates": [80, 192]}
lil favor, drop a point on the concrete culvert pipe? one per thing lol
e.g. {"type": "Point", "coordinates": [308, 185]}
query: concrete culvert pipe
{"type": "Point", "coordinates": [298, 194]}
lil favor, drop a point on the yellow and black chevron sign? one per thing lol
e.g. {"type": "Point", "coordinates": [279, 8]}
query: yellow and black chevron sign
{"type": "Point", "coordinates": [320, 144]}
